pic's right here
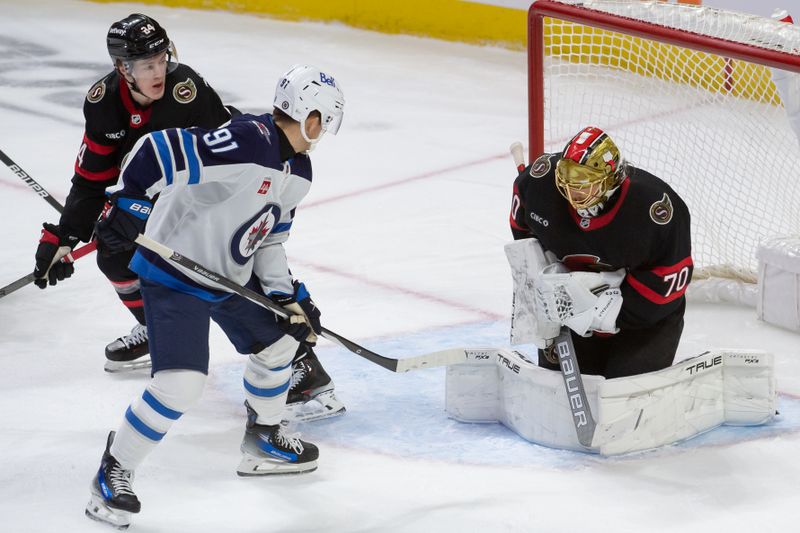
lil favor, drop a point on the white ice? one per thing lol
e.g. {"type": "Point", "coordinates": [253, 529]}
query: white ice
{"type": "Point", "coordinates": [400, 241]}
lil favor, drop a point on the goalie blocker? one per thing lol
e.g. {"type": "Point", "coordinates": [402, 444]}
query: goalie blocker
{"type": "Point", "coordinates": [732, 387]}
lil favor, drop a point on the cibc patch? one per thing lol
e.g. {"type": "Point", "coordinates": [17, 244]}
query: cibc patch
{"type": "Point", "coordinates": [185, 91]}
{"type": "Point", "coordinates": [661, 211]}
{"type": "Point", "coordinates": [97, 92]}
{"type": "Point", "coordinates": [541, 166]}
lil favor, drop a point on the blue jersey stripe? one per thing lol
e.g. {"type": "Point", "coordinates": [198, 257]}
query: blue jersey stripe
{"type": "Point", "coordinates": [162, 147]}
{"type": "Point", "coordinates": [191, 156]}
{"type": "Point", "coordinates": [159, 407]}
{"type": "Point", "coordinates": [141, 427]}
{"type": "Point", "coordinates": [266, 393]}
{"type": "Point", "coordinates": [174, 137]}
{"type": "Point", "coordinates": [280, 228]}
{"type": "Point", "coordinates": [166, 275]}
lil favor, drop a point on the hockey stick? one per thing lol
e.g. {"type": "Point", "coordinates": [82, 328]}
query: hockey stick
{"type": "Point", "coordinates": [69, 258]}
{"type": "Point", "coordinates": [585, 424]}
{"type": "Point", "coordinates": [441, 358]}
{"type": "Point", "coordinates": [30, 182]}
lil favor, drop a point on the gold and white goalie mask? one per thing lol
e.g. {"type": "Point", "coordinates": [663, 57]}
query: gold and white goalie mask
{"type": "Point", "coordinates": [590, 169]}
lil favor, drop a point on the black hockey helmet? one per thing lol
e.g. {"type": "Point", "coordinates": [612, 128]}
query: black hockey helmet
{"type": "Point", "coordinates": [135, 37]}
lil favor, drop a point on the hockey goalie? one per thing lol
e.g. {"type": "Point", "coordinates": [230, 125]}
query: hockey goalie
{"type": "Point", "coordinates": [601, 261]}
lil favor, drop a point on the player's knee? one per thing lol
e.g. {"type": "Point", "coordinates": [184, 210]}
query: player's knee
{"type": "Point", "coordinates": [277, 355]}
{"type": "Point", "coordinates": [179, 390]}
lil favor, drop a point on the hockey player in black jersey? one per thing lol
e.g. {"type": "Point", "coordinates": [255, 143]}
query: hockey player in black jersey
{"type": "Point", "coordinates": [148, 90]}
{"type": "Point", "coordinates": [595, 213]}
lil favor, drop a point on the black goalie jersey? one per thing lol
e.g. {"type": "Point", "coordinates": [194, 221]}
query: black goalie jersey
{"type": "Point", "coordinates": [114, 122]}
{"type": "Point", "coordinates": [644, 228]}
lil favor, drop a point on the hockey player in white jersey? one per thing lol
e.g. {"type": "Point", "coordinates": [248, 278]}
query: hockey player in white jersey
{"type": "Point", "coordinates": [226, 198]}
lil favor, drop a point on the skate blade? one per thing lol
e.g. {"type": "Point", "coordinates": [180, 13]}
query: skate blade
{"type": "Point", "coordinates": [97, 510]}
{"type": "Point", "coordinates": [262, 466]}
{"type": "Point", "coordinates": [323, 405]}
{"type": "Point", "coordinates": [126, 366]}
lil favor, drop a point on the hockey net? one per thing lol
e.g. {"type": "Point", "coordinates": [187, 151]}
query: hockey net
{"type": "Point", "coordinates": [686, 93]}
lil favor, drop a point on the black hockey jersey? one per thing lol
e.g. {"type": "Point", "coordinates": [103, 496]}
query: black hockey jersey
{"type": "Point", "coordinates": [644, 228]}
{"type": "Point", "coordinates": [114, 122]}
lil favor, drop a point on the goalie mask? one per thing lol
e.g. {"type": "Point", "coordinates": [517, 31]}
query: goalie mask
{"type": "Point", "coordinates": [590, 169]}
{"type": "Point", "coordinates": [142, 46]}
{"type": "Point", "coordinates": [305, 89]}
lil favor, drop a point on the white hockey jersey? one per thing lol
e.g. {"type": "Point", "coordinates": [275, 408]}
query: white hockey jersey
{"type": "Point", "coordinates": [225, 200]}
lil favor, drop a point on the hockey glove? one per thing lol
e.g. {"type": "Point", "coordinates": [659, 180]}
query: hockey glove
{"type": "Point", "coordinates": [303, 308]}
{"type": "Point", "coordinates": [52, 247]}
{"type": "Point", "coordinates": [123, 222]}
{"type": "Point", "coordinates": [582, 301]}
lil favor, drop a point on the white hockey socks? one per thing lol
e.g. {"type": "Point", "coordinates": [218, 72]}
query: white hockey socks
{"type": "Point", "coordinates": [168, 395]}
{"type": "Point", "coordinates": [267, 379]}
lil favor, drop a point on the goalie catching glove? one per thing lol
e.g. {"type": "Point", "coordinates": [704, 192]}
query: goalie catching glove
{"type": "Point", "coordinates": [123, 222]}
{"type": "Point", "coordinates": [582, 301]}
{"type": "Point", "coordinates": [303, 323]}
{"type": "Point", "coordinates": [52, 247]}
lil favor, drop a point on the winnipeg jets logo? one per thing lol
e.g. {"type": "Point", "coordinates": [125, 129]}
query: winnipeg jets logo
{"type": "Point", "coordinates": [249, 236]}
{"type": "Point", "coordinates": [256, 235]}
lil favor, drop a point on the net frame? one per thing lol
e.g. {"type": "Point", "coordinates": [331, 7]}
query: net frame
{"type": "Point", "coordinates": [735, 37]}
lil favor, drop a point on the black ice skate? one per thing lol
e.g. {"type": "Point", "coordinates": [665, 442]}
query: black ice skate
{"type": "Point", "coordinates": [113, 499]}
{"type": "Point", "coordinates": [311, 394]}
{"type": "Point", "coordinates": [268, 450]}
{"type": "Point", "coordinates": [129, 352]}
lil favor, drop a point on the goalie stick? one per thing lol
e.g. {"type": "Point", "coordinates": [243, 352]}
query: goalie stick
{"type": "Point", "coordinates": [563, 347]}
{"type": "Point", "coordinates": [441, 358]}
{"type": "Point", "coordinates": [70, 258]}
{"type": "Point", "coordinates": [30, 182]}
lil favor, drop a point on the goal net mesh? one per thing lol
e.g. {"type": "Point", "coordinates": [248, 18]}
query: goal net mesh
{"type": "Point", "coordinates": [714, 128]}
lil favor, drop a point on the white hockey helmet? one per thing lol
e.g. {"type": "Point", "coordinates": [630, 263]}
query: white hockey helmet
{"type": "Point", "coordinates": [305, 89]}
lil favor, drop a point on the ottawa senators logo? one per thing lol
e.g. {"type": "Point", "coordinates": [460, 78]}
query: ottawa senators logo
{"type": "Point", "coordinates": [661, 211]}
{"type": "Point", "coordinates": [585, 263]}
{"type": "Point", "coordinates": [185, 91]}
{"type": "Point", "coordinates": [97, 92]}
{"type": "Point", "coordinates": [541, 166]}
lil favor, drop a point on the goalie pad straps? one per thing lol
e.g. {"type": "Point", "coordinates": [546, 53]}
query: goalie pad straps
{"type": "Point", "coordinates": [582, 301]}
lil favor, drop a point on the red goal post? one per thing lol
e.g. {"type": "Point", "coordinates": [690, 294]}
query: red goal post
{"type": "Point", "coordinates": [686, 93]}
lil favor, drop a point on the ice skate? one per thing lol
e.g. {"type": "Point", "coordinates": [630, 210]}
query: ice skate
{"type": "Point", "coordinates": [129, 352]}
{"type": "Point", "coordinates": [270, 450]}
{"type": "Point", "coordinates": [112, 498]}
{"type": "Point", "coordinates": [311, 394]}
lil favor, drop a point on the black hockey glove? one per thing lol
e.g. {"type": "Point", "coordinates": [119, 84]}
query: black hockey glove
{"type": "Point", "coordinates": [122, 223]}
{"type": "Point", "coordinates": [52, 247]}
{"type": "Point", "coordinates": [300, 305]}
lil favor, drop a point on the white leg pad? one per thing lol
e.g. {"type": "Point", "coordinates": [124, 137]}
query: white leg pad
{"type": "Point", "coordinates": [267, 378]}
{"type": "Point", "coordinates": [168, 395]}
{"type": "Point", "coordinates": [633, 413]}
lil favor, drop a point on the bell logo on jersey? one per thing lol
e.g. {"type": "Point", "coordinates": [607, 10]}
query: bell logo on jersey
{"type": "Point", "coordinates": [661, 211]}
{"type": "Point", "coordinates": [265, 185]}
{"type": "Point", "coordinates": [252, 233]}
{"type": "Point", "coordinates": [185, 91]}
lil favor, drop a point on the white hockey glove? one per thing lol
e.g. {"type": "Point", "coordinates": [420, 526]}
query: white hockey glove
{"type": "Point", "coordinates": [527, 258]}
{"type": "Point", "coordinates": [582, 301]}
